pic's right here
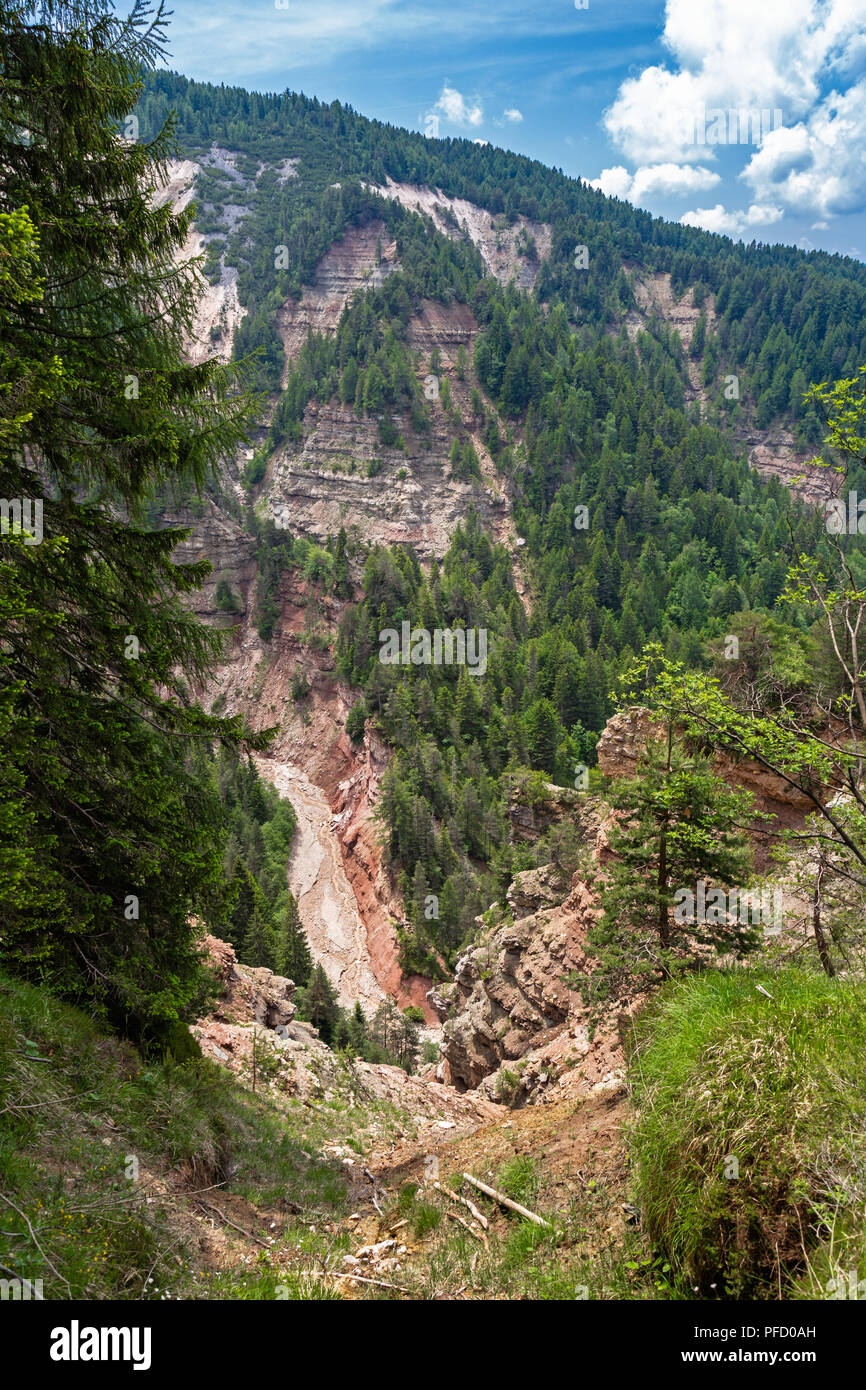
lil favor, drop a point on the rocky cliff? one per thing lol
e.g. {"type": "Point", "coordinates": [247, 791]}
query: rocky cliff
{"type": "Point", "coordinates": [514, 1024]}
{"type": "Point", "coordinates": [252, 1031]}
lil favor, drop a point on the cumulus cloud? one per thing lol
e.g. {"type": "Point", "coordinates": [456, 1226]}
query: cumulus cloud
{"type": "Point", "coordinates": [732, 224]}
{"type": "Point", "coordinates": [736, 56]}
{"type": "Point", "coordinates": [655, 181]}
{"type": "Point", "coordinates": [513, 115]}
{"type": "Point", "coordinates": [452, 106]}
{"type": "Point", "coordinates": [820, 164]}
{"type": "Point", "coordinates": [615, 182]}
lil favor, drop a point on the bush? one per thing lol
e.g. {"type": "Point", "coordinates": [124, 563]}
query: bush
{"type": "Point", "coordinates": [749, 1146]}
{"type": "Point", "coordinates": [227, 600]}
{"type": "Point", "coordinates": [255, 468]}
{"type": "Point", "coordinates": [355, 721]}
{"type": "Point", "coordinates": [300, 686]}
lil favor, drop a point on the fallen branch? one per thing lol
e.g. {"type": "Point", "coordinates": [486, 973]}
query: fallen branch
{"type": "Point", "coordinates": [479, 1235]}
{"type": "Point", "coordinates": [464, 1201]}
{"type": "Point", "coordinates": [227, 1219]}
{"type": "Point", "coordinates": [505, 1201]}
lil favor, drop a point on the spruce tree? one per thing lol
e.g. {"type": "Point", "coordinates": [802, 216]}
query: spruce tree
{"type": "Point", "coordinates": [127, 836]}
{"type": "Point", "coordinates": [319, 1004]}
{"type": "Point", "coordinates": [678, 823]}
{"type": "Point", "coordinates": [259, 946]}
{"type": "Point", "coordinates": [357, 1031]}
{"type": "Point", "coordinates": [294, 958]}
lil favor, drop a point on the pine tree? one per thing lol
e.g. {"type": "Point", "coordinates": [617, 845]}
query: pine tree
{"type": "Point", "coordinates": [259, 946]}
{"type": "Point", "coordinates": [319, 1004]}
{"type": "Point", "coordinates": [357, 1031]}
{"type": "Point", "coordinates": [128, 838]}
{"type": "Point", "coordinates": [243, 893]}
{"type": "Point", "coordinates": [543, 735]}
{"type": "Point", "coordinates": [679, 824]}
{"type": "Point", "coordinates": [294, 958]}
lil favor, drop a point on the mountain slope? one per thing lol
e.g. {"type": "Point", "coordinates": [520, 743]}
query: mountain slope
{"type": "Point", "coordinates": [548, 398]}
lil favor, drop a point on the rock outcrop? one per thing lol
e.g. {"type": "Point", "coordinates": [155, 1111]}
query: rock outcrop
{"type": "Point", "coordinates": [341, 474]}
{"type": "Point", "coordinates": [626, 735]}
{"type": "Point", "coordinates": [217, 537]}
{"type": "Point", "coordinates": [623, 740]}
{"type": "Point", "coordinates": [510, 991]}
{"type": "Point", "coordinates": [774, 454]}
{"type": "Point", "coordinates": [498, 240]}
{"type": "Point", "coordinates": [360, 260]}
{"type": "Point", "coordinates": [252, 1031]}
{"type": "Point", "coordinates": [250, 994]}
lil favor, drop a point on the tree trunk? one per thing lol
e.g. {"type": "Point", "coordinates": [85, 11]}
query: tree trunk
{"type": "Point", "coordinates": [817, 927]}
{"type": "Point", "coordinates": [662, 923]}
{"type": "Point", "coordinates": [661, 886]}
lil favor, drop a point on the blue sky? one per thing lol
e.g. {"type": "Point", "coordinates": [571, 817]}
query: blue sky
{"type": "Point", "coordinates": [635, 95]}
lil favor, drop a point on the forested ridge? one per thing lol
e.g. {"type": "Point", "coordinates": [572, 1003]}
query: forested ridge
{"type": "Point", "coordinates": [643, 521]}
{"type": "Point", "coordinates": [634, 578]}
{"type": "Point", "coordinates": [786, 318]}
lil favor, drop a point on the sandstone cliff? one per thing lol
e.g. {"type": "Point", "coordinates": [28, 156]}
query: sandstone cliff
{"type": "Point", "coordinates": [514, 1025]}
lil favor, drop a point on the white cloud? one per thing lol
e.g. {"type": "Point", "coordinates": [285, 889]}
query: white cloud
{"type": "Point", "coordinates": [712, 220]}
{"type": "Point", "coordinates": [732, 224]}
{"type": "Point", "coordinates": [452, 106]}
{"type": "Point", "coordinates": [819, 165]}
{"type": "Point", "coordinates": [655, 181]}
{"type": "Point", "coordinates": [513, 115]}
{"type": "Point", "coordinates": [762, 215]}
{"type": "Point", "coordinates": [739, 55]}
{"type": "Point", "coordinates": [615, 182]}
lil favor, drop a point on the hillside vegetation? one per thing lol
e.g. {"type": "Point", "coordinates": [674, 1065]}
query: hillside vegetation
{"type": "Point", "coordinates": [600, 524]}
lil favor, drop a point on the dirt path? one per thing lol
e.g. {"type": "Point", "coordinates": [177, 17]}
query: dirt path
{"type": "Point", "coordinates": [327, 905]}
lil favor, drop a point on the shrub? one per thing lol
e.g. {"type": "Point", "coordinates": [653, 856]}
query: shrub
{"type": "Point", "coordinates": [749, 1145]}
{"type": "Point", "coordinates": [355, 721]}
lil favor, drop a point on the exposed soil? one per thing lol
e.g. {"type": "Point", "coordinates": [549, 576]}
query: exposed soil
{"type": "Point", "coordinates": [327, 905]}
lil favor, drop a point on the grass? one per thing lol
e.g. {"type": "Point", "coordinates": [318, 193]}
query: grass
{"type": "Point", "coordinates": [749, 1147]}
{"type": "Point", "coordinates": [574, 1257]}
{"type": "Point", "coordinates": [571, 1259]}
{"type": "Point", "coordinates": [747, 1151]}
{"type": "Point", "coordinates": [102, 1152]}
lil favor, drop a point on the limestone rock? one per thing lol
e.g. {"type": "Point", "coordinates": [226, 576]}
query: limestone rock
{"type": "Point", "coordinates": [536, 888]}
{"type": "Point", "coordinates": [250, 994]}
{"type": "Point", "coordinates": [510, 991]}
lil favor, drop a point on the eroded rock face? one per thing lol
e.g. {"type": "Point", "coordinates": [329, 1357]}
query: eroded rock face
{"type": "Point", "coordinates": [498, 240]}
{"type": "Point", "coordinates": [510, 991]}
{"type": "Point", "coordinates": [360, 260]}
{"type": "Point", "coordinates": [774, 454]}
{"type": "Point", "coordinates": [219, 310]}
{"type": "Point", "coordinates": [623, 739]}
{"type": "Point", "coordinates": [330, 480]}
{"type": "Point", "coordinates": [626, 735]}
{"type": "Point", "coordinates": [530, 818]}
{"type": "Point", "coordinates": [515, 1022]}
{"type": "Point", "coordinates": [252, 1032]}
{"type": "Point", "coordinates": [535, 889]}
{"type": "Point", "coordinates": [251, 994]}
{"type": "Point", "coordinates": [217, 537]}
{"type": "Point", "coordinates": [341, 474]}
